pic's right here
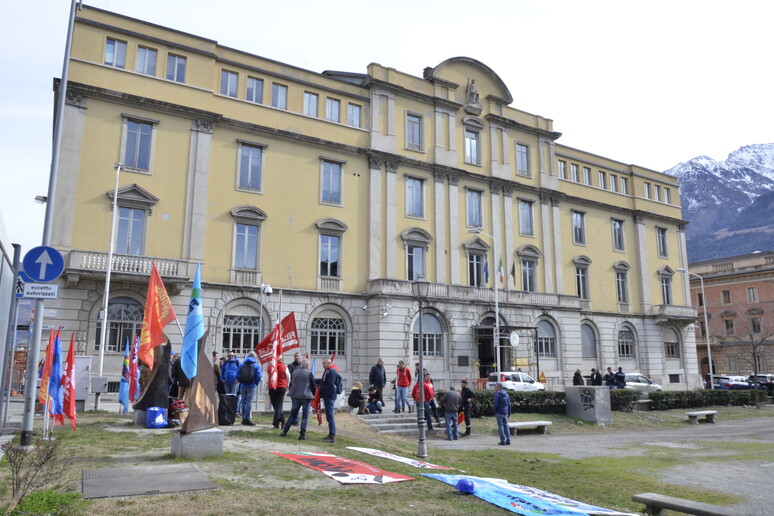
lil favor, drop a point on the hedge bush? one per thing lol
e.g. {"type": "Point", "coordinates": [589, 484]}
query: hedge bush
{"type": "Point", "coordinates": [665, 400]}
{"type": "Point", "coordinates": [623, 400]}
{"type": "Point", "coordinates": [538, 402]}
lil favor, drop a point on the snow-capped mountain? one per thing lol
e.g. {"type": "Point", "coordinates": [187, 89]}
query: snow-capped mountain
{"type": "Point", "coordinates": [725, 200]}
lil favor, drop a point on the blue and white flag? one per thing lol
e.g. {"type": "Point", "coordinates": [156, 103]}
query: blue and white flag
{"type": "Point", "coordinates": [55, 379]}
{"type": "Point", "coordinates": [486, 270]}
{"type": "Point", "coordinates": [194, 328]}
{"type": "Point", "coordinates": [123, 390]}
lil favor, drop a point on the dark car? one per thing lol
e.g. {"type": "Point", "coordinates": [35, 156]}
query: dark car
{"type": "Point", "coordinates": [764, 382]}
{"type": "Point", "coordinates": [733, 383]}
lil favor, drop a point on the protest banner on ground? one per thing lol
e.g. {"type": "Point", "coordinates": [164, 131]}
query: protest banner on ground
{"type": "Point", "coordinates": [345, 471]}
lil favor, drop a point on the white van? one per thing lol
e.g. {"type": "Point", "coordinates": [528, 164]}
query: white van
{"type": "Point", "coordinates": [514, 381]}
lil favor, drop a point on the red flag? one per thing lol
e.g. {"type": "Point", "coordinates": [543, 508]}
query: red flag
{"type": "Point", "coordinates": [158, 313]}
{"type": "Point", "coordinates": [289, 333]}
{"type": "Point", "coordinates": [265, 349]}
{"type": "Point", "coordinates": [68, 386]}
{"type": "Point", "coordinates": [47, 361]}
{"type": "Point", "coordinates": [275, 360]}
{"type": "Point", "coordinates": [134, 386]}
{"type": "Point", "coordinates": [316, 401]}
{"type": "Point", "coordinates": [460, 418]}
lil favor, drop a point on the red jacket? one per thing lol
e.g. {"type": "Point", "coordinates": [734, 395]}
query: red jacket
{"type": "Point", "coordinates": [404, 377]}
{"type": "Point", "coordinates": [429, 394]}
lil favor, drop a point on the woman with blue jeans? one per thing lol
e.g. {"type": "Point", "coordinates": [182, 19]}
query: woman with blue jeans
{"type": "Point", "coordinates": [301, 392]}
{"type": "Point", "coordinates": [502, 409]}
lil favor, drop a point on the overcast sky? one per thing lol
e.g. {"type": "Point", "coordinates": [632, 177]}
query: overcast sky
{"type": "Point", "coordinates": [653, 83]}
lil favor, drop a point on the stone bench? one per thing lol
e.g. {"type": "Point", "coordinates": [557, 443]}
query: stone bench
{"type": "Point", "coordinates": [709, 416]}
{"type": "Point", "coordinates": [542, 426]}
{"type": "Point", "coordinates": [656, 504]}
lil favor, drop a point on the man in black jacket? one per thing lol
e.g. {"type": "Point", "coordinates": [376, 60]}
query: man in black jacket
{"type": "Point", "coordinates": [378, 378]}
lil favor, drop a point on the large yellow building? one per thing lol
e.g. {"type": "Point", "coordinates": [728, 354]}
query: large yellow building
{"type": "Point", "coordinates": [339, 189]}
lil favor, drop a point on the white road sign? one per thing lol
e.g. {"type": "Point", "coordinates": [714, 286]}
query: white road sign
{"type": "Point", "coordinates": [41, 290]}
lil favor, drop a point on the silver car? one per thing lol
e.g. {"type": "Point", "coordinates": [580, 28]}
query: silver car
{"type": "Point", "coordinates": [638, 382]}
{"type": "Point", "coordinates": [514, 381]}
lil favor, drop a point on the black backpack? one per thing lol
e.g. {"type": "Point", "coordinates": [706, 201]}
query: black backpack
{"type": "Point", "coordinates": [246, 373]}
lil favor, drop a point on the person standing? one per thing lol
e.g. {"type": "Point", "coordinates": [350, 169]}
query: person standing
{"type": "Point", "coordinates": [301, 392]}
{"type": "Point", "coordinates": [577, 378]}
{"type": "Point", "coordinates": [433, 405]}
{"type": "Point", "coordinates": [451, 401]}
{"type": "Point", "coordinates": [228, 373]}
{"type": "Point", "coordinates": [247, 386]}
{"type": "Point", "coordinates": [428, 394]}
{"type": "Point", "coordinates": [502, 409]}
{"type": "Point", "coordinates": [620, 378]}
{"type": "Point", "coordinates": [295, 364]}
{"type": "Point", "coordinates": [277, 395]}
{"type": "Point", "coordinates": [378, 378]}
{"type": "Point", "coordinates": [596, 378]}
{"type": "Point", "coordinates": [467, 396]}
{"type": "Point", "coordinates": [330, 388]}
{"type": "Point", "coordinates": [402, 384]}
{"type": "Point", "coordinates": [610, 378]}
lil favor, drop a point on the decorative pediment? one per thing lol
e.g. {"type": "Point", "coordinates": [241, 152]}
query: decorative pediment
{"type": "Point", "coordinates": [473, 122]}
{"type": "Point", "coordinates": [666, 270]}
{"type": "Point", "coordinates": [754, 311]}
{"type": "Point", "coordinates": [247, 214]}
{"type": "Point", "coordinates": [476, 245]}
{"type": "Point", "coordinates": [528, 252]}
{"type": "Point", "coordinates": [475, 70]}
{"type": "Point", "coordinates": [331, 225]}
{"type": "Point", "coordinates": [581, 261]}
{"type": "Point", "coordinates": [621, 266]}
{"type": "Point", "coordinates": [134, 196]}
{"type": "Point", "coordinates": [727, 313]}
{"type": "Point", "coordinates": [417, 237]}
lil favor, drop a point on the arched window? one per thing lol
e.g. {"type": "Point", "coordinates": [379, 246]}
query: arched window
{"type": "Point", "coordinates": [546, 339]}
{"type": "Point", "coordinates": [328, 334]}
{"type": "Point", "coordinates": [242, 328]}
{"type": "Point", "coordinates": [625, 343]}
{"type": "Point", "coordinates": [671, 343]}
{"type": "Point", "coordinates": [588, 341]}
{"type": "Point", "coordinates": [124, 321]}
{"type": "Point", "coordinates": [432, 335]}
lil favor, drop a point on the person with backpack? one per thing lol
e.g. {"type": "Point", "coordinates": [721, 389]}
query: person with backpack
{"type": "Point", "coordinates": [330, 388]}
{"type": "Point", "coordinates": [228, 373]}
{"type": "Point", "coordinates": [249, 376]}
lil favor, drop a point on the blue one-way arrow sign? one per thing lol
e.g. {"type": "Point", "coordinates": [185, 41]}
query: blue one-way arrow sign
{"type": "Point", "coordinates": [43, 264]}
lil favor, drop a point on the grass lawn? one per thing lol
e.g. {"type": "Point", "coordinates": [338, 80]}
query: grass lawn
{"type": "Point", "coordinates": [251, 480]}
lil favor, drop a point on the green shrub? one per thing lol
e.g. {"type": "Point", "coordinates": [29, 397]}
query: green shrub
{"type": "Point", "coordinates": [665, 400]}
{"type": "Point", "coordinates": [623, 399]}
{"type": "Point", "coordinates": [48, 502]}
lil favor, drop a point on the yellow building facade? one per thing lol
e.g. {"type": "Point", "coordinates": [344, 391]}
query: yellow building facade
{"type": "Point", "coordinates": [339, 189]}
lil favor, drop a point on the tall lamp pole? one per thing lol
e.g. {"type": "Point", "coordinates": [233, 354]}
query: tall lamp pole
{"type": "Point", "coordinates": [496, 336]}
{"type": "Point", "coordinates": [706, 324]}
{"type": "Point", "coordinates": [264, 290]}
{"type": "Point", "coordinates": [420, 288]}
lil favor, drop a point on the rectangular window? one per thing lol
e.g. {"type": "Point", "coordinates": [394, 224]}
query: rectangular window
{"type": "Point", "coordinates": [658, 193]}
{"type": "Point", "coordinates": [474, 208]}
{"type": "Point", "coordinates": [255, 90]}
{"type": "Point", "coordinates": [526, 221]}
{"type": "Point", "coordinates": [176, 68]}
{"type": "Point", "coordinates": [433, 344]}
{"type": "Point", "coordinates": [138, 145]}
{"type": "Point", "coordinates": [574, 171]}
{"type": "Point", "coordinates": [621, 288]}
{"type": "Point", "coordinates": [115, 53]}
{"type": "Point", "coordinates": [146, 61]}
{"type": "Point", "coordinates": [752, 294]}
{"type": "Point", "coordinates": [647, 190]}
{"type": "Point", "coordinates": [310, 104]}
{"type": "Point", "coordinates": [528, 283]}
{"type": "Point", "coordinates": [729, 325]}
{"type": "Point", "coordinates": [624, 186]}
{"type": "Point", "coordinates": [250, 167]}
{"type": "Point", "coordinates": [413, 132]}
{"type": "Point", "coordinates": [625, 344]}
{"type": "Point", "coordinates": [416, 262]}
{"type": "Point", "coordinates": [471, 147]}
{"type": "Point", "coordinates": [582, 282]}
{"type": "Point", "coordinates": [546, 346]}
{"type": "Point", "coordinates": [613, 183]}
{"type": "Point", "coordinates": [415, 197]}
{"type": "Point", "coordinates": [333, 110]}
{"type": "Point", "coordinates": [331, 182]}
{"type": "Point", "coordinates": [672, 349]}
{"type": "Point", "coordinates": [661, 237]}
{"type": "Point", "coordinates": [578, 227]}
{"type": "Point", "coordinates": [246, 248]}
{"type": "Point", "coordinates": [228, 83]}
{"type": "Point", "coordinates": [618, 236]}
{"type": "Point", "coordinates": [700, 299]}
{"type": "Point", "coordinates": [702, 329]}
{"type": "Point", "coordinates": [563, 169]}
{"type": "Point", "coordinates": [476, 270]}
{"type": "Point", "coordinates": [329, 255]}
{"type": "Point", "coordinates": [666, 289]}
{"type": "Point", "coordinates": [725, 297]}
{"type": "Point", "coordinates": [755, 324]}
{"type": "Point", "coordinates": [279, 96]}
{"type": "Point", "coordinates": [131, 230]}
{"type": "Point", "coordinates": [667, 196]}
{"type": "Point", "coordinates": [522, 159]}
{"type": "Point", "coordinates": [353, 115]}
{"type": "Point", "coordinates": [602, 180]}
{"type": "Point", "coordinates": [586, 175]}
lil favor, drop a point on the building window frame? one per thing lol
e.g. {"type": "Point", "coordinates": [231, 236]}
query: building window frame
{"type": "Point", "coordinates": [333, 110]}
{"type": "Point", "coordinates": [474, 207]}
{"type": "Point", "coordinates": [529, 257]}
{"type": "Point", "coordinates": [279, 96]}
{"type": "Point", "coordinates": [145, 62]}
{"type": "Point", "coordinates": [254, 90]}
{"type": "Point", "coordinates": [415, 197]}
{"type": "Point", "coordinates": [251, 160]}
{"type": "Point", "coordinates": [522, 160]}
{"type": "Point", "coordinates": [562, 166]}
{"type": "Point", "coordinates": [626, 343]}
{"type": "Point", "coordinates": [414, 131]}
{"type": "Point", "coordinates": [248, 221]}
{"type": "Point", "coordinates": [526, 217]}
{"type": "Point", "coordinates": [176, 67]}
{"type": "Point", "coordinates": [617, 227]}
{"type": "Point", "coordinates": [752, 294]}
{"type": "Point", "coordinates": [587, 176]}
{"type": "Point", "coordinates": [578, 227]}
{"type": "Point", "coordinates": [229, 83]}
{"type": "Point", "coordinates": [124, 319]}
{"type": "Point", "coordinates": [354, 115]}
{"type": "Point", "coordinates": [311, 104]}
{"type": "Point", "coordinates": [432, 336]}
{"type": "Point", "coordinates": [331, 181]}
{"type": "Point", "coordinates": [662, 242]}
{"type": "Point", "coordinates": [725, 297]}
{"type": "Point", "coordinates": [622, 282]}
{"type": "Point", "coordinates": [582, 264]}
{"type": "Point", "coordinates": [115, 53]}
{"type": "Point", "coordinates": [416, 241]}
{"type": "Point", "coordinates": [665, 277]}
{"type": "Point", "coordinates": [546, 343]}
{"type": "Point", "coordinates": [327, 335]}
{"type": "Point", "coordinates": [138, 143]}
{"type": "Point", "coordinates": [331, 245]}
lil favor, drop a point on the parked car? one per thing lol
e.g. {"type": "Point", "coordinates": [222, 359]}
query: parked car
{"type": "Point", "coordinates": [514, 381]}
{"type": "Point", "coordinates": [638, 382]}
{"type": "Point", "coordinates": [733, 383]}
{"type": "Point", "coordinates": [763, 381]}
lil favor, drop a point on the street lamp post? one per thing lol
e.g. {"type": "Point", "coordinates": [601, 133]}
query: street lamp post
{"type": "Point", "coordinates": [496, 336]}
{"type": "Point", "coordinates": [267, 290]}
{"type": "Point", "coordinates": [706, 324]}
{"type": "Point", "coordinates": [420, 288]}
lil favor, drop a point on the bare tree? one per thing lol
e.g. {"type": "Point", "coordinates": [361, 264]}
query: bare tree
{"type": "Point", "coordinates": [755, 343]}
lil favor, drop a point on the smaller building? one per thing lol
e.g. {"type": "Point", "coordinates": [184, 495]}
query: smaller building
{"type": "Point", "coordinates": [738, 299]}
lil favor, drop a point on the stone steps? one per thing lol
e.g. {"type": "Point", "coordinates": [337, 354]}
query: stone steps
{"type": "Point", "coordinates": [391, 423]}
